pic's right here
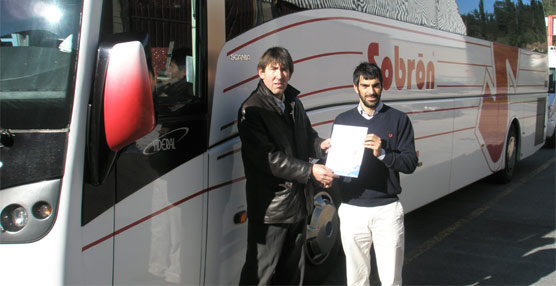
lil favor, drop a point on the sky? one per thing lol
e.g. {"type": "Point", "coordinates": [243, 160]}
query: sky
{"type": "Point", "coordinates": [466, 6]}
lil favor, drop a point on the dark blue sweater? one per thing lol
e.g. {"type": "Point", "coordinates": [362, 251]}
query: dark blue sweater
{"type": "Point", "coordinates": [379, 181]}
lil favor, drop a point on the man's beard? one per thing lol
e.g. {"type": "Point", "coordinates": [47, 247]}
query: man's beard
{"type": "Point", "coordinates": [369, 104]}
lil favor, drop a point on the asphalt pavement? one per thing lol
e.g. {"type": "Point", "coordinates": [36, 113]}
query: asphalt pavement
{"type": "Point", "coordinates": [484, 234]}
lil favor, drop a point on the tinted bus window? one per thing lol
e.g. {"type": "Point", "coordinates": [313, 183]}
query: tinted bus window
{"type": "Point", "coordinates": [171, 56]}
{"type": "Point", "coordinates": [442, 15]}
{"type": "Point", "coordinates": [517, 23]}
{"type": "Point", "coordinates": [37, 56]}
{"type": "Point", "coordinates": [243, 15]}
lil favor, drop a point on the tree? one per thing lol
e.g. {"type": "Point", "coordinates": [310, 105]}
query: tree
{"type": "Point", "coordinates": [549, 7]}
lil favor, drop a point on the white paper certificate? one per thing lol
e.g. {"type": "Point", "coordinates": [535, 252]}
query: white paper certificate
{"type": "Point", "coordinates": [346, 150]}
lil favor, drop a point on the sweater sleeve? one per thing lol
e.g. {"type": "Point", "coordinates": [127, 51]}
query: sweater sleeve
{"type": "Point", "coordinates": [402, 157]}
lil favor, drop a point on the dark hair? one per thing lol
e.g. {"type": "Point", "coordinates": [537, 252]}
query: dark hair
{"type": "Point", "coordinates": [179, 56]}
{"type": "Point", "coordinates": [367, 71]}
{"type": "Point", "coordinates": [277, 55]}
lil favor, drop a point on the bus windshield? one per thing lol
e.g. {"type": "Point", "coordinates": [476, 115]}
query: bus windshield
{"type": "Point", "coordinates": [37, 52]}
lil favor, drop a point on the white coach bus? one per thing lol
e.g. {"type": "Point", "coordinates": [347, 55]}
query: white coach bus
{"type": "Point", "coordinates": [108, 179]}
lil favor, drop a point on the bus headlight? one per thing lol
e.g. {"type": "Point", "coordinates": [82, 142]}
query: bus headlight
{"type": "Point", "coordinates": [42, 210]}
{"type": "Point", "coordinates": [13, 218]}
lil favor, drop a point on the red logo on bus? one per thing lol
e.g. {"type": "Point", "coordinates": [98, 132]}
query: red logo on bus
{"type": "Point", "coordinates": [403, 72]}
{"type": "Point", "coordinates": [494, 111]}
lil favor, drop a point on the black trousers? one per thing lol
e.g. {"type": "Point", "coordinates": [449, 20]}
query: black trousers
{"type": "Point", "coordinates": [275, 254]}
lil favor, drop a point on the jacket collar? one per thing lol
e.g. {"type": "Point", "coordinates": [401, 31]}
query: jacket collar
{"type": "Point", "coordinates": [289, 95]}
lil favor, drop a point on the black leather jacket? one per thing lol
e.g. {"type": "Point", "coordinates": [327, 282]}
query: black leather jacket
{"type": "Point", "coordinates": [276, 152]}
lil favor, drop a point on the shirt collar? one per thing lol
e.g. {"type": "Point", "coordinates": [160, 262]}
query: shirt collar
{"type": "Point", "coordinates": [280, 102]}
{"type": "Point", "coordinates": [289, 95]}
{"type": "Point", "coordinates": [367, 116]}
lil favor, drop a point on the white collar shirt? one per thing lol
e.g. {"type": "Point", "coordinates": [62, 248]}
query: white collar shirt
{"type": "Point", "coordinates": [367, 116]}
{"type": "Point", "coordinates": [280, 102]}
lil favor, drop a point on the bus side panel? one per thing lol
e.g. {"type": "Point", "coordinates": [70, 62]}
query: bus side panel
{"type": "Point", "coordinates": [530, 111]}
{"type": "Point", "coordinates": [469, 160]}
{"type": "Point", "coordinates": [531, 71]}
{"type": "Point", "coordinates": [159, 229]}
{"type": "Point", "coordinates": [99, 260]}
{"type": "Point", "coordinates": [97, 219]}
{"type": "Point", "coordinates": [226, 231]}
{"type": "Point", "coordinates": [433, 124]}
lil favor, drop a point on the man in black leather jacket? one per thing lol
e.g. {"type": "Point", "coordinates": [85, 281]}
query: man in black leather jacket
{"type": "Point", "coordinates": [277, 143]}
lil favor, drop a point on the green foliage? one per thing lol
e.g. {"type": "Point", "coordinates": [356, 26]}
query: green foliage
{"type": "Point", "coordinates": [549, 7]}
{"type": "Point", "coordinates": [518, 24]}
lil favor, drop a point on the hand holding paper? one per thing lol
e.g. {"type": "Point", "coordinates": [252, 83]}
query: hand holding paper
{"type": "Point", "coordinates": [374, 143]}
{"type": "Point", "coordinates": [346, 151]}
{"type": "Point", "coordinates": [324, 145]}
{"type": "Point", "coordinates": [323, 175]}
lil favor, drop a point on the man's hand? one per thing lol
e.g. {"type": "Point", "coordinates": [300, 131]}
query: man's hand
{"type": "Point", "coordinates": [324, 175]}
{"type": "Point", "coordinates": [325, 145]}
{"type": "Point", "coordinates": [374, 143]}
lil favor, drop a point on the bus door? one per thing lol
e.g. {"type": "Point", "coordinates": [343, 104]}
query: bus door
{"type": "Point", "coordinates": [160, 179]}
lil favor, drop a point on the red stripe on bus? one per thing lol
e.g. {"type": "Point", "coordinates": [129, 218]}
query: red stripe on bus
{"type": "Point", "coordinates": [442, 109]}
{"type": "Point", "coordinates": [328, 54]}
{"type": "Point", "coordinates": [459, 85]}
{"type": "Point", "coordinates": [417, 138]}
{"type": "Point", "coordinates": [485, 155]}
{"type": "Point", "coordinates": [295, 62]}
{"type": "Point", "coordinates": [322, 123]}
{"type": "Point", "coordinates": [228, 154]}
{"type": "Point", "coordinates": [444, 133]}
{"type": "Point", "coordinates": [270, 33]}
{"type": "Point", "coordinates": [524, 101]}
{"type": "Point", "coordinates": [466, 64]}
{"type": "Point", "coordinates": [325, 90]}
{"type": "Point", "coordinates": [228, 125]}
{"type": "Point", "coordinates": [411, 112]}
{"type": "Point", "coordinates": [131, 225]}
{"type": "Point", "coordinates": [530, 116]}
{"type": "Point", "coordinates": [240, 83]}
{"type": "Point", "coordinates": [530, 70]}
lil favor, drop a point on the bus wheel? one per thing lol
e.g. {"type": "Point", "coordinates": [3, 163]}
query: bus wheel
{"type": "Point", "coordinates": [505, 175]}
{"type": "Point", "coordinates": [323, 236]}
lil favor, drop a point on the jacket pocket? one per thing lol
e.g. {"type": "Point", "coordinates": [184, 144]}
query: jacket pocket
{"type": "Point", "coordinates": [283, 189]}
{"type": "Point", "coordinates": [287, 205]}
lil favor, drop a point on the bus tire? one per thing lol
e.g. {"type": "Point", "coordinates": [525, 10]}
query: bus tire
{"type": "Point", "coordinates": [323, 236]}
{"type": "Point", "coordinates": [510, 158]}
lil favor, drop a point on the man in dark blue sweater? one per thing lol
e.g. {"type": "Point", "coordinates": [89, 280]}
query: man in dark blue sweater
{"type": "Point", "coordinates": [370, 211]}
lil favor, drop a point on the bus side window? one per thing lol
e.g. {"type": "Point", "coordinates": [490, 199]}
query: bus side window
{"type": "Point", "coordinates": [170, 29]}
{"type": "Point", "coordinates": [515, 23]}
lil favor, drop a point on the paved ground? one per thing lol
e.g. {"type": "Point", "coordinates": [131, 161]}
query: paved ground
{"type": "Point", "coordinates": [484, 234]}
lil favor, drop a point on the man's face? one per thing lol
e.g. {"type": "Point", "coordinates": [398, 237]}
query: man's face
{"type": "Point", "coordinates": [369, 91]}
{"type": "Point", "coordinates": [174, 71]}
{"type": "Point", "coordinates": [275, 77]}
